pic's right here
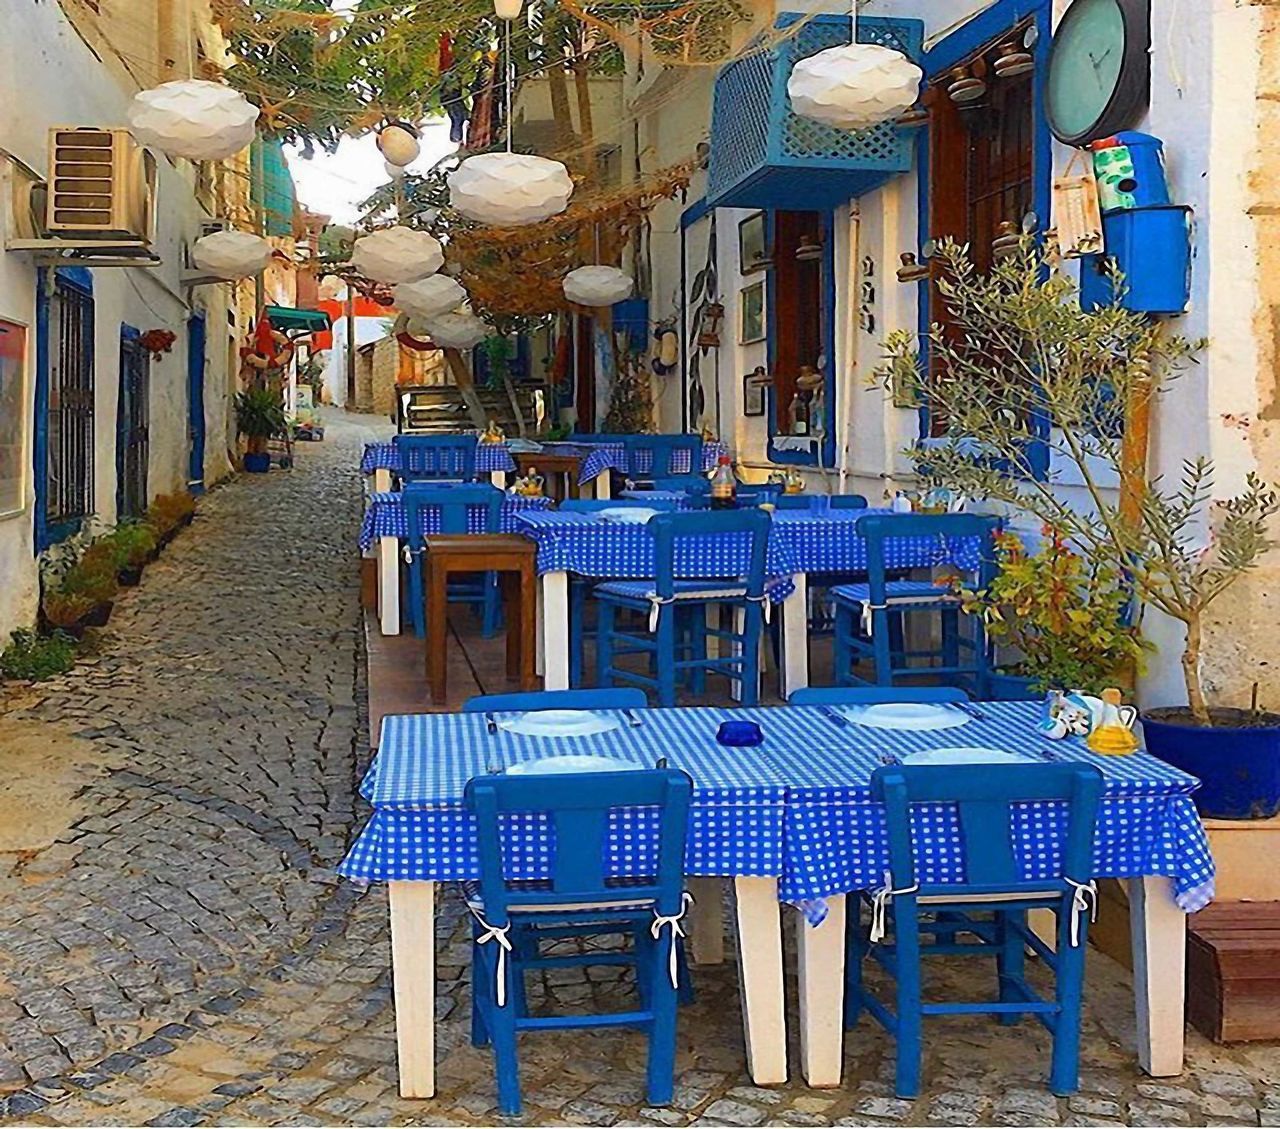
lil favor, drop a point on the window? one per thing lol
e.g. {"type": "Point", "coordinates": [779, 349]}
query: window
{"type": "Point", "coordinates": [13, 414]}
{"type": "Point", "coordinates": [796, 334]}
{"type": "Point", "coordinates": [69, 454]}
{"type": "Point", "coordinates": [132, 425]}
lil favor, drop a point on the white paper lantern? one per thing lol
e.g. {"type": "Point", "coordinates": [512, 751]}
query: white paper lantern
{"type": "Point", "coordinates": [203, 121]}
{"type": "Point", "coordinates": [429, 297]}
{"type": "Point", "coordinates": [397, 254]}
{"type": "Point", "coordinates": [510, 189]}
{"type": "Point", "coordinates": [399, 144]}
{"type": "Point", "coordinates": [395, 172]}
{"type": "Point", "coordinates": [598, 286]}
{"type": "Point", "coordinates": [855, 86]}
{"type": "Point", "coordinates": [231, 254]}
{"type": "Point", "coordinates": [461, 330]}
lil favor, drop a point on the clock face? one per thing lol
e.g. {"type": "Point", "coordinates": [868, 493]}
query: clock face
{"type": "Point", "coordinates": [1099, 69]}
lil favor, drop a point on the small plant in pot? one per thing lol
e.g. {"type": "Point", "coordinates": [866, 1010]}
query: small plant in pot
{"type": "Point", "coordinates": [259, 417]}
{"type": "Point", "coordinates": [1018, 350]}
{"type": "Point", "coordinates": [1064, 618]}
{"type": "Point", "coordinates": [78, 582]}
{"type": "Point", "coordinates": [133, 543]}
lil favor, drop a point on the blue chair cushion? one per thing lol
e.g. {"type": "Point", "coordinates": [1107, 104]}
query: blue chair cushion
{"type": "Point", "coordinates": [684, 589]}
{"type": "Point", "coordinates": [906, 591]}
{"type": "Point", "coordinates": [475, 900]}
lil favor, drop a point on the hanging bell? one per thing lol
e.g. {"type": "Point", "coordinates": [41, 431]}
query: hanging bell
{"type": "Point", "coordinates": [1006, 242]}
{"type": "Point", "coordinates": [1012, 61]}
{"type": "Point", "coordinates": [911, 270]}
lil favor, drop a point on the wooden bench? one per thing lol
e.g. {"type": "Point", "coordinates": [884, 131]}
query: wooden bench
{"type": "Point", "coordinates": [514, 558]}
{"type": "Point", "coordinates": [1233, 971]}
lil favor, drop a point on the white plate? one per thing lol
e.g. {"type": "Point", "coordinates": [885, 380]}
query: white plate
{"type": "Point", "coordinates": [631, 515]}
{"type": "Point", "coordinates": [965, 755]}
{"type": "Point", "coordinates": [557, 766]}
{"type": "Point", "coordinates": [559, 723]}
{"type": "Point", "coordinates": [906, 715]}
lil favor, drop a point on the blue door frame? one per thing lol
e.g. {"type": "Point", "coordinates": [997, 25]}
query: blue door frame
{"type": "Point", "coordinates": [195, 401]}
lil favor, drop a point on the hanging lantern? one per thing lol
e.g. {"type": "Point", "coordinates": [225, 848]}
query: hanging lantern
{"type": "Point", "coordinates": [1012, 61]}
{"type": "Point", "coordinates": [398, 142]}
{"type": "Point", "coordinates": [510, 189]}
{"type": "Point", "coordinates": [395, 172]}
{"type": "Point", "coordinates": [965, 87]}
{"type": "Point", "coordinates": [192, 118]}
{"type": "Point", "coordinates": [397, 254]}
{"type": "Point", "coordinates": [231, 254]}
{"type": "Point", "coordinates": [461, 330]}
{"type": "Point", "coordinates": [507, 9]}
{"type": "Point", "coordinates": [429, 297]}
{"type": "Point", "coordinates": [854, 87]}
{"type": "Point", "coordinates": [598, 286]}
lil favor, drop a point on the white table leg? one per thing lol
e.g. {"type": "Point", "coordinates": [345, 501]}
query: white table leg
{"type": "Point", "coordinates": [554, 607]}
{"type": "Point", "coordinates": [708, 921]}
{"type": "Point", "coordinates": [735, 649]}
{"type": "Point", "coordinates": [794, 674]}
{"type": "Point", "coordinates": [498, 478]}
{"type": "Point", "coordinates": [604, 486]}
{"type": "Point", "coordinates": [413, 970]}
{"type": "Point", "coordinates": [821, 960]}
{"type": "Point", "coordinates": [381, 481]}
{"type": "Point", "coordinates": [760, 979]}
{"type": "Point", "coordinates": [712, 612]}
{"type": "Point", "coordinates": [389, 585]}
{"type": "Point", "coordinates": [1159, 931]}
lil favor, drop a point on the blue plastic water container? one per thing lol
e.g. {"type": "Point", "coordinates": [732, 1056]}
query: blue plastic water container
{"type": "Point", "coordinates": [1130, 170]}
{"type": "Point", "coordinates": [1152, 248]}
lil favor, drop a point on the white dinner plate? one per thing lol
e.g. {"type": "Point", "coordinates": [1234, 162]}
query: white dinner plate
{"type": "Point", "coordinates": [557, 766]}
{"type": "Point", "coordinates": [559, 723]}
{"type": "Point", "coordinates": [634, 515]}
{"type": "Point", "coordinates": [906, 715]}
{"type": "Point", "coordinates": [965, 755]}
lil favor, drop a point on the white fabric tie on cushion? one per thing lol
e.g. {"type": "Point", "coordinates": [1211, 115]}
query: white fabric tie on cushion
{"type": "Point", "coordinates": [1084, 899]}
{"type": "Point", "coordinates": [662, 921]}
{"type": "Point", "coordinates": [501, 934]}
{"type": "Point", "coordinates": [880, 900]}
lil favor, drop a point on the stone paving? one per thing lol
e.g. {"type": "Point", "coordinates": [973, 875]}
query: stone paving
{"type": "Point", "coordinates": [182, 954]}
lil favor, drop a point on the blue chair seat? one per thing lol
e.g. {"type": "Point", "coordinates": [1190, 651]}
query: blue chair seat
{"type": "Point", "coordinates": [474, 897]}
{"type": "Point", "coordinates": [645, 590]}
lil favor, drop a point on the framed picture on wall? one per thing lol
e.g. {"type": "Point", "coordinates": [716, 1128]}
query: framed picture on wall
{"type": "Point", "coordinates": [753, 252]}
{"type": "Point", "coordinates": [753, 393]}
{"type": "Point", "coordinates": [751, 327]}
{"type": "Point", "coordinates": [13, 415]}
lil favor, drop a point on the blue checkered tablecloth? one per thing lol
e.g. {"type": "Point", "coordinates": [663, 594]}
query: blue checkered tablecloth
{"type": "Point", "coordinates": [798, 806]}
{"type": "Point", "coordinates": [384, 456]}
{"type": "Point", "coordinates": [386, 517]}
{"type": "Point", "coordinates": [828, 541]}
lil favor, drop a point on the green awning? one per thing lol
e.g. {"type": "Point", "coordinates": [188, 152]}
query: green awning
{"type": "Point", "coordinates": [287, 319]}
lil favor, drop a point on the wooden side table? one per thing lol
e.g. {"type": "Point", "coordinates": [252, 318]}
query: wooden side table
{"type": "Point", "coordinates": [553, 468]}
{"type": "Point", "coordinates": [514, 558]}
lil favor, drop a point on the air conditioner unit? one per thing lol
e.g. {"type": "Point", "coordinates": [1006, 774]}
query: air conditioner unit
{"type": "Point", "coordinates": [213, 226]}
{"type": "Point", "coordinates": [102, 184]}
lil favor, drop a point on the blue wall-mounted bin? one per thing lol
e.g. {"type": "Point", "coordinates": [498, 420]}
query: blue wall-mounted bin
{"type": "Point", "coordinates": [765, 156]}
{"type": "Point", "coordinates": [1130, 171]}
{"type": "Point", "coordinates": [1152, 250]}
{"type": "Point", "coordinates": [632, 318]}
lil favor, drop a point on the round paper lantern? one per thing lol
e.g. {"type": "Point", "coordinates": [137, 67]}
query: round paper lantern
{"type": "Point", "coordinates": [429, 297]}
{"type": "Point", "coordinates": [192, 118]}
{"type": "Point", "coordinates": [510, 189]}
{"type": "Point", "coordinates": [399, 144]}
{"type": "Point", "coordinates": [855, 86]}
{"type": "Point", "coordinates": [459, 330]}
{"type": "Point", "coordinates": [231, 254]}
{"type": "Point", "coordinates": [397, 254]}
{"type": "Point", "coordinates": [598, 286]}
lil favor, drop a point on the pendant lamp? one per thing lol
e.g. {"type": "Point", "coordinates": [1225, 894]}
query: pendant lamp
{"type": "Point", "coordinates": [397, 254]}
{"type": "Point", "coordinates": [192, 118]}
{"type": "Point", "coordinates": [231, 254]}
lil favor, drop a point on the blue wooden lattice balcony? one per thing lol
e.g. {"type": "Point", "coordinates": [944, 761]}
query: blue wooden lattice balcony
{"type": "Point", "coordinates": [765, 156]}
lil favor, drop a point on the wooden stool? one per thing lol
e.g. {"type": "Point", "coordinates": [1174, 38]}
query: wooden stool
{"type": "Point", "coordinates": [514, 558]}
{"type": "Point", "coordinates": [552, 467]}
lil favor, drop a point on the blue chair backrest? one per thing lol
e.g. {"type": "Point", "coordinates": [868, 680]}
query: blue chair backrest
{"type": "Point", "coordinates": [835, 501]}
{"type": "Point", "coordinates": [595, 437]}
{"type": "Point", "coordinates": [427, 457]}
{"type": "Point", "coordinates": [685, 483]}
{"type": "Point", "coordinates": [579, 806]}
{"type": "Point", "coordinates": [454, 504]}
{"type": "Point", "coordinates": [880, 529]}
{"type": "Point", "coordinates": [753, 493]}
{"type": "Point", "coordinates": [595, 505]}
{"type": "Point", "coordinates": [985, 802]}
{"type": "Point", "coordinates": [673, 532]}
{"type": "Point", "coordinates": [874, 695]}
{"type": "Point", "coordinates": [662, 450]}
{"type": "Point", "coordinates": [615, 698]}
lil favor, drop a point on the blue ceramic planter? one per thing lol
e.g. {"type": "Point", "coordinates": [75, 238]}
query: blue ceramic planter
{"type": "Point", "coordinates": [1238, 767]}
{"type": "Point", "coordinates": [257, 462]}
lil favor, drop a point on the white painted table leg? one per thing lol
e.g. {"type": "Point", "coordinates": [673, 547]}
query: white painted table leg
{"type": "Point", "coordinates": [821, 960]}
{"type": "Point", "coordinates": [760, 979]}
{"type": "Point", "coordinates": [389, 585]}
{"type": "Point", "coordinates": [794, 674]}
{"type": "Point", "coordinates": [712, 612]}
{"type": "Point", "coordinates": [735, 649]}
{"type": "Point", "coordinates": [498, 478]}
{"type": "Point", "coordinates": [382, 481]}
{"type": "Point", "coordinates": [708, 920]}
{"type": "Point", "coordinates": [1159, 931]}
{"type": "Point", "coordinates": [554, 607]}
{"type": "Point", "coordinates": [413, 970]}
{"type": "Point", "coordinates": [604, 486]}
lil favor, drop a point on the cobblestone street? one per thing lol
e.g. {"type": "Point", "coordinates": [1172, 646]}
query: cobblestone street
{"type": "Point", "coordinates": [178, 951]}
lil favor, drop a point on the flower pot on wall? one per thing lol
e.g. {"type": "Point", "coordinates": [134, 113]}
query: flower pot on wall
{"type": "Point", "coordinates": [1237, 759]}
{"type": "Point", "coordinates": [257, 462]}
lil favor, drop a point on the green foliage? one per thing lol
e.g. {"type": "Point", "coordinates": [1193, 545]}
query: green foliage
{"type": "Point", "coordinates": [259, 413]}
{"type": "Point", "coordinates": [33, 658]}
{"type": "Point", "coordinates": [132, 542]}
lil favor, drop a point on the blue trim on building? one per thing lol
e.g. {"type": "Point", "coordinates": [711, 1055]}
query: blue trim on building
{"type": "Point", "coordinates": [128, 335]}
{"type": "Point", "coordinates": [694, 212]}
{"type": "Point", "coordinates": [197, 332]}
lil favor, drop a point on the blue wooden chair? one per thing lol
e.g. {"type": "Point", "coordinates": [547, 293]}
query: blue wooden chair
{"type": "Point", "coordinates": [676, 536]}
{"type": "Point", "coordinates": [655, 456]}
{"type": "Point", "coordinates": [437, 458]}
{"type": "Point", "coordinates": [580, 899]}
{"type": "Point", "coordinates": [986, 804]}
{"type": "Point", "coordinates": [875, 695]}
{"type": "Point", "coordinates": [866, 612]}
{"type": "Point", "coordinates": [835, 501]}
{"type": "Point", "coordinates": [454, 503]}
{"type": "Point", "coordinates": [618, 698]}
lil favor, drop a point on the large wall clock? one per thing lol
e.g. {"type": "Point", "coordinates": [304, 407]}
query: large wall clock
{"type": "Point", "coordinates": [1099, 69]}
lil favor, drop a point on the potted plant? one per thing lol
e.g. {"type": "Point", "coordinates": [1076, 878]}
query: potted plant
{"type": "Point", "coordinates": [259, 416]}
{"type": "Point", "coordinates": [168, 513]}
{"type": "Point", "coordinates": [31, 657]}
{"type": "Point", "coordinates": [132, 543]}
{"type": "Point", "coordinates": [1019, 350]}
{"type": "Point", "coordinates": [1066, 620]}
{"type": "Point", "coordinates": [78, 585]}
